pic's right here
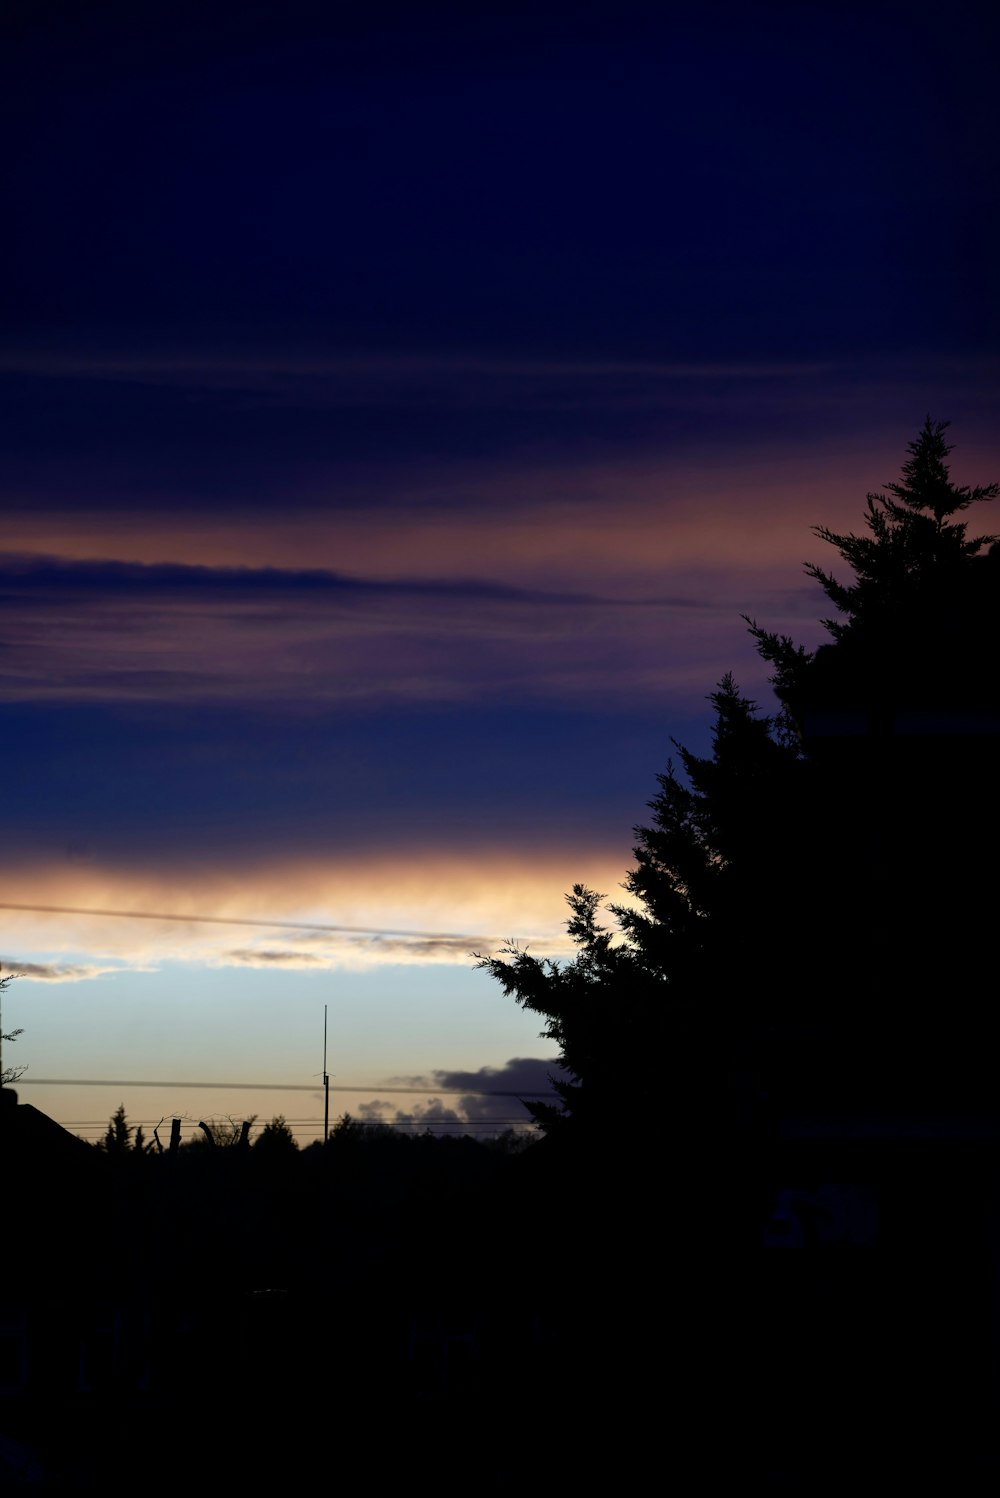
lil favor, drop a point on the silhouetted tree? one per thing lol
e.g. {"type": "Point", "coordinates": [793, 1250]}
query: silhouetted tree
{"type": "Point", "coordinates": [899, 717]}
{"type": "Point", "coordinates": [912, 575]}
{"type": "Point", "coordinates": [9, 1074]}
{"type": "Point", "coordinates": [276, 1139]}
{"type": "Point", "coordinates": [118, 1138]}
{"type": "Point", "coordinates": [670, 973]}
{"type": "Point", "coordinates": [785, 842]}
{"type": "Point", "coordinates": [510, 1142]}
{"type": "Point", "coordinates": [349, 1131]}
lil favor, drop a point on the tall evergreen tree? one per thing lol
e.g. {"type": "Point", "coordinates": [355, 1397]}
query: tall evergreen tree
{"type": "Point", "coordinates": [781, 841]}
{"type": "Point", "coordinates": [667, 979]}
{"type": "Point", "coordinates": [912, 584]}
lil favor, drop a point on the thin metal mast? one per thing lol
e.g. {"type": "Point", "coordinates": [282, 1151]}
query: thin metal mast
{"type": "Point", "coordinates": [326, 1086]}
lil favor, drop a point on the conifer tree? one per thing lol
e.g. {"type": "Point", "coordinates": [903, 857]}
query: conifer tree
{"type": "Point", "coordinates": [665, 977]}
{"type": "Point", "coordinates": [118, 1137]}
{"type": "Point", "coordinates": [910, 571]}
{"type": "Point", "coordinates": [769, 845]}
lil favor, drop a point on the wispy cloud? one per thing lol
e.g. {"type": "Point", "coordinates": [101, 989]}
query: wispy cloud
{"type": "Point", "coordinates": [648, 403]}
{"type": "Point", "coordinates": [358, 952]}
{"type": "Point", "coordinates": [248, 957]}
{"type": "Point", "coordinates": [113, 630]}
{"type": "Point", "coordinates": [55, 972]}
{"type": "Point", "coordinates": [458, 379]}
{"type": "Point", "coordinates": [71, 924]}
{"type": "Point", "coordinates": [33, 578]}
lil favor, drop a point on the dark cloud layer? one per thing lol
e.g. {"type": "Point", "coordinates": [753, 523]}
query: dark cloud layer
{"type": "Point", "coordinates": [34, 580]}
{"type": "Point", "coordinates": [521, 1076]}
{"type": "Point", "coordinates": [197, 429]}
{"type": "Point", "coordinates": [116, 631]}
{"type": "Point", "coordinates": [490, 1096]}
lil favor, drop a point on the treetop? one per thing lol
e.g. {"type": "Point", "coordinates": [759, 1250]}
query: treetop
{"type": "Point", "coordinates": [913, 566]}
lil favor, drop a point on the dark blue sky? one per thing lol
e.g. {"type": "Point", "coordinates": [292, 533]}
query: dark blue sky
{"type": "Point", "coordinates": [648, 180]}
{"type": "Point", "coordinates": [439, 269]}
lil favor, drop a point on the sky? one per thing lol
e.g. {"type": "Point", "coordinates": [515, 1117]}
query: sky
{"type": "Point", "coordinates": [402, 406]}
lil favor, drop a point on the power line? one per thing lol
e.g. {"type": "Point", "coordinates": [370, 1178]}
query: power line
{"type": "Point", "coordinates": [233, 920]}
{"type": "Point", "coordinates": [278, 1087]}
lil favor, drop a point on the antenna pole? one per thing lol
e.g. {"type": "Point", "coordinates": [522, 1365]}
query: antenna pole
{"type": "Point", "coordinates": [326, 1086]}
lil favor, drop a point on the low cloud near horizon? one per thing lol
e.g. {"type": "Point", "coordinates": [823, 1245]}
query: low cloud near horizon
{"type": "Point", "coordinates": [368, 912]}
{"type": "Point", "coordinates": [489, 1097]}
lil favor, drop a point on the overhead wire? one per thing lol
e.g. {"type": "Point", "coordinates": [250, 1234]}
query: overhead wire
{"type": "Point", "coordinates": [375, 1089]}
{"type": "Point", "coordinates": [233, 920]}
{"type": "Point", "coordinates": [339, 929]}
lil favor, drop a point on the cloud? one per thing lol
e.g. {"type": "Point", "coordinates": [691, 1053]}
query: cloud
{"type": "Point", "coordinates": [432, 1115]}
{"type": "Point", "coordinates": [106, 630]}
{"type": "Point", "coordinates": [83, 919]}
{"type": "Point", "coordinates": [490, 1097]}
{"type": "Point", "coordinates": [615, 577]}
{"type": "Point", "coordinates": [33, 578]}
{"type": "Point", "coordinates": [248, 957]}
{"type": "Point", "coordinates": [53, 972]}
{"type": "Point", "coordinates": [359, 952]}
{"type": "Point", "coordinates": [459, 381]}
{"type": "Point", "coordinates": [607, 396]}
{"type": "Point", "coordinates": [519, 1077]}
